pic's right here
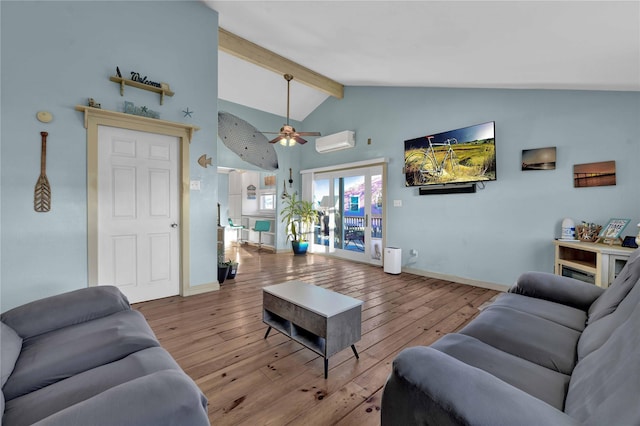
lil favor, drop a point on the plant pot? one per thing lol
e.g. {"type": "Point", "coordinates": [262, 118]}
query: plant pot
{"type": "Point", "coordinates": [233, 270]}
{"type": "Point", "coordinates": [223, 270]}
{"type": "Point", "coordinates": [299, 247]}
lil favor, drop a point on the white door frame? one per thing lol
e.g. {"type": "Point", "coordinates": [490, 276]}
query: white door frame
{"type": "Point", "coordinates": [308, 177]}
{"type": "Point", "coordinates": [96, 117]}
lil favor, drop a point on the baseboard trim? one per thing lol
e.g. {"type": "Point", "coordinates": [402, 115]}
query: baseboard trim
{"type": "Point", "coordinates": [199, 289]}
{"type": "Point", "coordinates": [456, 279]}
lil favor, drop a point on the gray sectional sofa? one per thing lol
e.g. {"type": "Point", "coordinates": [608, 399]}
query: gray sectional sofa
{"type": "Point", "coordinates": [86, 358]}
{"type": "Point", "coordinates": [551, 351]}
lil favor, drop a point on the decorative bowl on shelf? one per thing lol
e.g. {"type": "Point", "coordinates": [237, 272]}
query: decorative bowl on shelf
{"type": "Point", "coordinates": [588, 233]}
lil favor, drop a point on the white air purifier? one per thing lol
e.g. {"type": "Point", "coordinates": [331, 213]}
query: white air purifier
{"type": "Point", "coordinates": [392, 260]}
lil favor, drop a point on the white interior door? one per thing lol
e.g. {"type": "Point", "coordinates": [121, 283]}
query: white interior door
{"type": "Point", "coordinates": [138, 216]}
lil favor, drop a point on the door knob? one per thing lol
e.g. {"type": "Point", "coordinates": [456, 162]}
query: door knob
{"type": "Point", "coordinates": [174, 225]}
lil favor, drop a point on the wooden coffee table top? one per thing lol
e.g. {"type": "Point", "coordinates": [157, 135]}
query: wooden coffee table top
{"type": "Point", "coordinates": [316, 299]}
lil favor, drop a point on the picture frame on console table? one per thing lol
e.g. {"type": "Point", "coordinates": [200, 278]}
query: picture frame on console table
{"type": "Point", "coordinates": [611, 233]}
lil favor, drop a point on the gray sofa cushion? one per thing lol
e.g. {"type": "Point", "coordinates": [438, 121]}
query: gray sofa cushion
{"type": "Point", "coordinates": [42, 403]}
{"type": "Point", "coordinates": [598, 332]}
{"type": "Point", "coordinates": [11, 344]}
{"type": "Point", "coordinates": [60, 354]}
{"type": "Point", "coordinates": [167, 397]}
{"type": "Point", "coordinates": [52, 313]}
{"type": "Point", "coordinates": [540, 382]}
{"type": "Point", "coordinates": [558, 289]}
{"type": "Point", "coordinates": [605, 385]}
{"type": "Point", "coordinates": [527, 336]}
{"type": "Point", "coordinates": [428, 387]}
{"type": "Point", "coordinates": [556, 312]}
{"type": "Point", "coordinates": [618, 290]}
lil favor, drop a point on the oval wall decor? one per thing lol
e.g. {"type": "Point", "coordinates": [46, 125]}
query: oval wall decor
{"type": "Point", "coordinates": [246, 142]}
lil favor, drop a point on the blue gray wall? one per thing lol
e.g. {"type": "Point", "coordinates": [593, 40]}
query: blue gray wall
{"type": "Point", "coordinates": [508, 227]}
{"type": "Point", "coordinates": [55, 55]}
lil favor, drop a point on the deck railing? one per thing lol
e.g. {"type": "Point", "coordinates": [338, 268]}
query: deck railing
{"type": "Point", "coordinates": [353, 223]}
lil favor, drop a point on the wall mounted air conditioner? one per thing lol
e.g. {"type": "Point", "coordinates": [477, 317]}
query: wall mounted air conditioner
{"type": "Point", "coordinates": [337, 141]}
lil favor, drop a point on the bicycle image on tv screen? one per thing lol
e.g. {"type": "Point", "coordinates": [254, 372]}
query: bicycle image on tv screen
{"type": "Point", "coordinates": [457, 156]}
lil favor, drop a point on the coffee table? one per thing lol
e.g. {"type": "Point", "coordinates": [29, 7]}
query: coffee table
{"type": "Point", "coordinates": [322, 320]}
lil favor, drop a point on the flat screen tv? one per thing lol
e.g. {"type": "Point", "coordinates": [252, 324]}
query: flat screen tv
{"type": "Point", "coordinates": [453, 157]}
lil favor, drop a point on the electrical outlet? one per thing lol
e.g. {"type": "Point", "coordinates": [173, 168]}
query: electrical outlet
{"type": "Point", "coordinates": [195, 185]}
{"type": "Point", "coordinates": [413, 253]}
{"type": "Point", "coordinates": [397, 203]}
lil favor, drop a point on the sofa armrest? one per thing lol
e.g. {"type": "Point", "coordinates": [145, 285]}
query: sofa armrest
{"type": "Point", "coordinates": [63, 310]}
{"type": "Point", "coordinates": [164, 398]}
{"type": "Point", "coordinates": [556, 288]}
{"type": "Point", "coordinates": [428, 387]}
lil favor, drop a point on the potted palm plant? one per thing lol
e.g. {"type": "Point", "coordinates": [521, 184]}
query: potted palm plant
{"type": "Point", "coordinates": [299, 217]}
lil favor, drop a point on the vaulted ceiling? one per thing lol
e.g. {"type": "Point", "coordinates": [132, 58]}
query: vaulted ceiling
{"type": "Point", "coordinates": [582, 45]}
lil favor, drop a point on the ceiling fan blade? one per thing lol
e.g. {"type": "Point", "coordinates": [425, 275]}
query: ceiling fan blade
{"type": "Point", "coordinates": [276, 140]}
{"type": "Point", "coordinates": [299, 140]}
{"type": "Point", "coordinates": [271, 133]}
{"type": "Point", "coordinates": [309, 133]}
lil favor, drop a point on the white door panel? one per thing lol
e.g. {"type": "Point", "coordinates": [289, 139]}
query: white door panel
{"type": "Point", "coordinates": [123, 194]}
{"type": "Point", "coordinates": [138, 193]}
{"type": "Point", "coordinates": [159, 194]}
{"type": "Point", "coordinates": [160, 257]}
{"type": "Point", "coordinates": [123, 255]}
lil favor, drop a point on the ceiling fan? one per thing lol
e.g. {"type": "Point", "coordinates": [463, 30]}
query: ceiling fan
{"type": "Point", "coordinates": [288, 135]}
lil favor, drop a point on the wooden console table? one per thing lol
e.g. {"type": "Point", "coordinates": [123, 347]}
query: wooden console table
{"type": "Point", "coordinates": [590, 262]}
{"type": "Point", "coordinates": [322, 320]}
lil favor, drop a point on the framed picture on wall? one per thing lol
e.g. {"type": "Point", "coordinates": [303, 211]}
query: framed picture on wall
{"type": "Point", "coordinates": [251, 192]}
{"type": "Point", "coordinates": [539, 159]}
{"type": "Point", "coordinates": [602, 173]}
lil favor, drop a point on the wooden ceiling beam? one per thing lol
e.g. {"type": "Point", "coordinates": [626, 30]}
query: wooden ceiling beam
{"type": "Point", "coordinates": [251, 52]}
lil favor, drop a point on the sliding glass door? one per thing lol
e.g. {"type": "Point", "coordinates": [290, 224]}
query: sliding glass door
{"type": "Point", "coordinates": [350, 203]}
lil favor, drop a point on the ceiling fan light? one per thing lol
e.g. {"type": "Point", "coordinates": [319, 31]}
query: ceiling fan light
{"type": "Point", "coordinates": [287, 141]}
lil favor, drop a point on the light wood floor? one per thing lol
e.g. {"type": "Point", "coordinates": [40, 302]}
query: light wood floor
{"type": "Point", "coordinates": [218, 339]}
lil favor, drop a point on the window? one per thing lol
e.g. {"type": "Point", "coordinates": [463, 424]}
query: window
{"type": "Point", "coordinates": [268, 201]}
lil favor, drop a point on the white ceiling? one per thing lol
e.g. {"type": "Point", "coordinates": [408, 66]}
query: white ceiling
{"type": "Point", "coordinates": [583, 45]}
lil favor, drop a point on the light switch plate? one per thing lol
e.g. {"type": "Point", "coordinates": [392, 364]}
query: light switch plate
{"type": "Point", "coordinates": [195, 185]}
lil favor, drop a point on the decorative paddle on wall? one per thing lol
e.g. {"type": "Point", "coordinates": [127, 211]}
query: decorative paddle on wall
{"type": "Point", "coordinates": [42, 195]}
